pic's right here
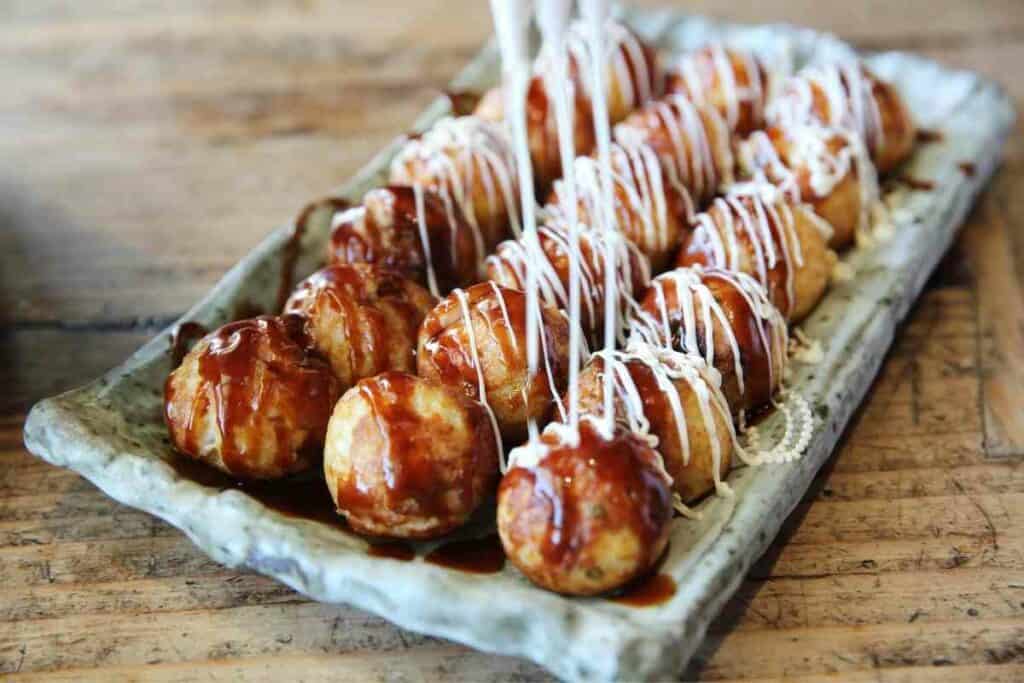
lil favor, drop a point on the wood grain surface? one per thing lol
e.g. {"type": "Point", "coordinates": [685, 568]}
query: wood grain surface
{"type": "Point", "coordinates": [146, 146]}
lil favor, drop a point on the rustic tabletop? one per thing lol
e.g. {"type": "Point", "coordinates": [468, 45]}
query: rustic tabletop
{"type": "Point", "coordinates": [147, 146]}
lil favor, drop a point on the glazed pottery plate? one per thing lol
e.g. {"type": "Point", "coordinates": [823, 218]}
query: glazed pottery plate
{"type": "Point", "coordinates": [112, 431]}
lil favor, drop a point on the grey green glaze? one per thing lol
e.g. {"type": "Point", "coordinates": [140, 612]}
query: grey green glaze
{"type": "Point", "coordinates": [112, 433]}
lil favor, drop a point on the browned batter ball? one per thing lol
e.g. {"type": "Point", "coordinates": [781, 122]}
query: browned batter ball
{"type": "Point", "coordinates": [692, 438]}
{"type": "Point", "coordinates": [390, 228]}
{"type": "Point", "coordinates": [362, 318]}
{"type": "Point", "coordinates": [735, 82]}
{"type": "Point", "coordinates": [250, 400]}
{"type": "Point", "coordinates": [409, 458]}
{"type": "Point", "coordinates": [782, 245]}
{"type": "Point", "coordinates": [479, 335]}
{"type": "Point", "coordinates": [585, 518]}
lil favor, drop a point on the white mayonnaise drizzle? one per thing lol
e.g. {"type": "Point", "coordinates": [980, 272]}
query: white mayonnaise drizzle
{"type": "Point", "coordinates": [552, 17]}
{"type": "Point", "coordinates": [699, 304]}
{"type": "Point", "coordinates": [851, 104]}
{"type": "Point", "coordinates": [595, 14]}
{"type": "Point", "coordinates": [744, 220]}
{"type": "Point", "coordinates": [735, 96]}
{"type": "Point", "coordinates": [699, 160]}
{"type": "Point", "coordinates": [638, 183]}
{"type": "Point", "coordinates": [421, 222]}
{"type": "Point", "coordinates": [668, 368]}
{"type": "Point", "coordinates": [460, 296]}
{"type": "Point", "coordinates": [510, 262]}
{"type": "Point", "coordinates": [456, 154]}
{"type": "Point", "coordinates": [511, 22]}
{"type": "Point", "coordinates": [810, 150]}
{"type": "Point", "coordinates": [622, 56]}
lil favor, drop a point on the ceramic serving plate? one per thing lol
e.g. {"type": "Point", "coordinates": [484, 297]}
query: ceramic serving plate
{"type": "Point", "coordinates": [111, 431]}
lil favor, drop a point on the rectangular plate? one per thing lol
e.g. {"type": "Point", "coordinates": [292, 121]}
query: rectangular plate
{"type": "Point", "coordinates": [112, 432]}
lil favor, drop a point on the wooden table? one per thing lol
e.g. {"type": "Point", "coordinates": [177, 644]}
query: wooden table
{"type": "Point", "coordinates": [146, 146]}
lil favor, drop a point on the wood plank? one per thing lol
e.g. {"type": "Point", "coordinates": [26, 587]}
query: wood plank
{"type": "Point", "coordinates": [838, 650]}
{"type": "Point", "coordinates": [443, 665]}
{"type": "Point", "coordinates": [71, 358]}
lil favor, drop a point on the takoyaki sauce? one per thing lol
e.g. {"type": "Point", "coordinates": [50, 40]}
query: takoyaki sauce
{"type": "Point", "coordinates": [750, 331]}
{"type": "Point", "coordinates": [402, 552]}
{"type": "Point", "coordinates": [967, 168]}
{"type": "Point", "coordinates": [648, 592]}
{"type": "Point", "coordinates": [925, 135]}
{"type": "Point", "coordinates": [184, 335]}
{"type": "Point", "coordinates": [477, 556]}
{"type": "Point", "coordinates": [412, 474]}
{"type": "Point", "coordinates": [229, 363]}
{"type": "Point", "coordinates": [304, 499]}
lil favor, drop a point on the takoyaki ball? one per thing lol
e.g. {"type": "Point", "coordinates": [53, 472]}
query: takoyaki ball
{"type": "Point", "coordinates": [733, 81]}
{"type": "Point", "coordinates": [898, 127]}
{"type": "Point", "coordinates": [650, 210]}
{"type": "Point", "coordinates": [542, 126]}
{"type": "Point", "coordinates": [783, 246]}
{"type": "Point", "coordinates": [693, 142]}
{"type": "Point", "coordinates": [633, 74]}
{"type": "Point", "coordinates": [827, 168]}
{"type": "Point", "coordinates": [250, 400]}
{"type": "Point", "coordinates": [477, 338]}
{"type": "Point", "coordinates": [408, 458]}
{"type": "Point", "coordinates": [363, 319]}
{"type": "Point", "coordinates": [584, 515]}
{"type": "Point", "coordinates": [724, 317]}
{"type": "Point", "coordinates": [510, 263]}
{"type": "Point", "coordinates": [468, 162]}
{"type": "Point", "coordinates": [677, 399]}
{"type": "Point", "coordinates": [392, 227]}
{"type": "Point", "coordinates": [848, 95]}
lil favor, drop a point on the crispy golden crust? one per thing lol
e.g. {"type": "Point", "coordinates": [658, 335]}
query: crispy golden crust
{"type": "Point", "coordinates": [496, 329]}
{"type": "Point", "coordinates": [733, 82]}
{"type": "Point", "coordinates": [587, 518]}
{"type": "Point", "coordinates": [803, 263]}
{"type": "Point", "coordinates": [386, 231]}
{"type": "Point", "coordinates": [408, 458]}
{"type": "Point", "coordinates": [694, 476]}
{"type": "Point", "coordinates": [361, 318]}
{"type": "Point", "coordinates": [249, 400]}
{"type": "Point", "coordinates": [762, 347]}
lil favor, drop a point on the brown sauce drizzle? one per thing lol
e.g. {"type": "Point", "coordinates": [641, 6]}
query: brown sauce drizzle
{"type": "Point", "coordinates": [300, 498]}
{"type": "Point", "coordinates": [231, 362]}
{"type": "Point", "coordinates": [748, 329]}
{"type": "Point", "coordinates": [925, 136]}
{"type": "Point", "coordinates": [476, 556]}
{"type": "Point", "coordinates": [635, 496]}
{"type": "Point", "coordinates": [392, 550]}
{"type": "Point", "coordinates": [386, 231]}
{"type": "Point", "coordinates": [653, 590]}
{"type": "Point", "coordinates": [967, 168]}
{"type": "Point", "coordinates": [184, 335]}
{"type": "Point", "coordinates": [411, 473]}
